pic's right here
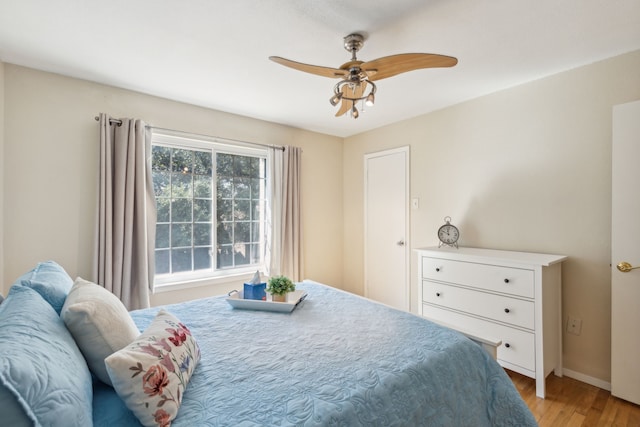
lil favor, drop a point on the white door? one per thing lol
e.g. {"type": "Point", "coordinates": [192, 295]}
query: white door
{"type": "Point", "coordinates": [625, 247]}
{"type": "Point", "coordinates": [387, 227]}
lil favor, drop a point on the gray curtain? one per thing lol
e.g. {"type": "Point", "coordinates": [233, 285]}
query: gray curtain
{"type": "Point", "coordinates": [284, 253]}
{"type": "Point", "coordinates": [125, 239]}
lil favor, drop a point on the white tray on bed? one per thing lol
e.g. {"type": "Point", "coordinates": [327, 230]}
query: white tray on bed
{"type": "Point", "coordinates": [294, 298]}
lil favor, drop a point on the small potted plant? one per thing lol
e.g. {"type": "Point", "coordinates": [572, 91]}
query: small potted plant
{"type": "Point", "coordinates": [279, 287]}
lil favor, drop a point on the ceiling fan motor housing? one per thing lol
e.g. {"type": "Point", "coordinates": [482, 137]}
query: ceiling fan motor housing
{"type": "Point", "coordinates": [355, 74]}
{"type": "Point", "coordinates": [353, 42]}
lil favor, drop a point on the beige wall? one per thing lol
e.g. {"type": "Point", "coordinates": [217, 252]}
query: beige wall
{"type": "Point", "coordinates": [50, 171]}
{"type": "Point", "coordinates": [525, 169]}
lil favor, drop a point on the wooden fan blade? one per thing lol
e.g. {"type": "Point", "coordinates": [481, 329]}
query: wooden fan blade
{"type": "Point", "coordinates": [350, 93]}
{"type": "Point", "coordinates": [389, 66]}
{"type": "Point", "coordinates": [313, 69]}
{"type": "Point", "coordinates": [344, 107]}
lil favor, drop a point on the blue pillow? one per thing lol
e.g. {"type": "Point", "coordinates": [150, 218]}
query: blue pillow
{"type": "Point", "coordinates": [12, 413]}
{"type": "Point", "coordinates": [41, 367]}
{"type": "Point", "coordinates": [49, 280]}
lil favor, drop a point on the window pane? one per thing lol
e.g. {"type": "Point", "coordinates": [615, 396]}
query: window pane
{"type": "Point", "coordinates": [181, 184]}
{"type": "Point", "coordinates": [255, 166]}
{"type": "Point", "coordinates": [242, 211]}
{"type": "Point", "coordinates": [201, 258]}
{"type": "Point", "coordinates": [241, 232]}
{"type": "Point", "coordinates": [224, 164]}
{"type": "Point", "coordinates": [203, 163]}
{"type": "Point", "coordinates": [256, 256]}
{"type": "Point", "coordinates": [225, 188]}
{"type": "Point", "coordinates": [181, 210]}
{"type": "Point", "coordinates": [256, 187]}
{"type": "Point", "coordinates": [257, 209]}
{"type": "Point", "coordinates": [202, 210]}
{"type": "Point", "coordinates": [202, 186]}
{"type": "Point", "coordinates": [225, 256]}
{"type": "Point", "coordinates": [162, 262]}
{"type": "Point", "coordinates": [182, 161]}
{"type": "Point", "coordinates": [225, 210]}
{"type": "Point", "coordinates": [162, 184]}
{"type": "Point", "coordinates": [180, 235]}
{"type": "Point", "coordinates": [161, 158]}
{"type": "Point", "coordinates": [162, 236]}
{"type": "Point", "coordinates": [180, 260]}
{"type": "Point", "coordinates": [241, 254]}
{"type": "Point", "coordinates": [225, 230]}
{"type": "Point", "coordinates": [163, 210]}
{"type": "Point", "coordinates": [201, 234]}
{"type": "Point", "coordinates": [255, 231]}
{"type": "Point", "coordinates": [242, 166]}
{"type": "Point", "coordinates": [242, 188]}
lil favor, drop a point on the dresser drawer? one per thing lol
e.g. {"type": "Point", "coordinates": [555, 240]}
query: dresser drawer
{"type": "Point", "coordinates": [514, 281]}
{"type": "Point", "coordinates": [517, 348]}
{"type": "Point", "coordinates": [496, 307]}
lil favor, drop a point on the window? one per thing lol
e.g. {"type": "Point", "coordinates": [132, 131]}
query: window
{"type": "Point", "coordinates": [210, 199]}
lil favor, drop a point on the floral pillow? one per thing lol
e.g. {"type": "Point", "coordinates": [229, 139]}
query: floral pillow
{"type": "Point", "coordinates": [151, 374]}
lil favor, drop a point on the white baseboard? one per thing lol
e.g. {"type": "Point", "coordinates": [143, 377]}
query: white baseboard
{"type": "Point", "coordinates": [587, 379]}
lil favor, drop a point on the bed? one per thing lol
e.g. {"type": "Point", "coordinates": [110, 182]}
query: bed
{"type": "Point", "coordinates": [336, 360]}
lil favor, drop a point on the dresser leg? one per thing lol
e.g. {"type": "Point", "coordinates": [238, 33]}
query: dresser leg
{"type": "Point", "coordinates": [540, 386]}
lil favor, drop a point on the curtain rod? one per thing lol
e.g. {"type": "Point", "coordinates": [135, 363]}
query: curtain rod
{"type": "Point", "coordinates": [119, 123]}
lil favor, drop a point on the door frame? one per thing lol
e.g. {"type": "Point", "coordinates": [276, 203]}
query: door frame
{"type": "Point", "coordinates": [407, 225]}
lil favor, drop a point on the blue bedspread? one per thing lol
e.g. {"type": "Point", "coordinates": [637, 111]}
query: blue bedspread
{"type": "Point", "coordinates": [336, 360]}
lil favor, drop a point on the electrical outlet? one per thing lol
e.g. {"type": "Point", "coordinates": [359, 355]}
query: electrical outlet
{"type": "Point", "coordinates": [574, 326]}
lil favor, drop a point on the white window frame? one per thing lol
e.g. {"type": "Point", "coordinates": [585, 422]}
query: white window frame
{"type": "Point", "coordinates": [170, 282]}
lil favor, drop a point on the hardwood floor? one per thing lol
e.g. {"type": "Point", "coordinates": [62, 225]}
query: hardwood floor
{"type": "Point", "coordinates": [573, 403]}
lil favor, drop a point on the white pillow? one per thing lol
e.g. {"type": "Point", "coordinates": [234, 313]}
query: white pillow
{"type": "Point", "coordinates": [99, 323]}
{"type": "Point", "coordinates": [151, 374]}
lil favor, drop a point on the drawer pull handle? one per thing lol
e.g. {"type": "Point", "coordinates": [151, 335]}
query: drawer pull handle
{"type": "Point", "coordinates": [437, 269]}
{"type": "Point", "coordinates": [437, 294]}
{"type": "Point", "coordinates": [506, 310]}
{"type": "Point", "coordinates": [507, 345]}
{"type": "Point", "coordinates": [506, 280]}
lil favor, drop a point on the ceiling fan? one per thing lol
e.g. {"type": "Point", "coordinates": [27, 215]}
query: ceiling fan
{"type": "Point", "coordinates": [356, 76]}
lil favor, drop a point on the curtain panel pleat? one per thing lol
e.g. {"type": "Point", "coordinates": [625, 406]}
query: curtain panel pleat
{"type": "Point", "coordinates": [125, 235]}
{"type": "Point", "coordinates": [292, 259]}
{"type": "Point", "coordinates": [273, 212]}
{"type": "Point", "coordinates": [284, 253]}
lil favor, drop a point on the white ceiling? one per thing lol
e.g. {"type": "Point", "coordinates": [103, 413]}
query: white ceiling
{"type": "Point", "coordinates": [214, 53]}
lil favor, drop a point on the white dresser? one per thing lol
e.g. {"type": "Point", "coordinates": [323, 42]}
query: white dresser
{"type": "Point", "coordinates": [511, 298]}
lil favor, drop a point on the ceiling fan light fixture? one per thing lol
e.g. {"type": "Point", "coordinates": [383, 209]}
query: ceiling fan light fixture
{"type": "Point", "coordinates": [352, 90]}
{"type": "Point", "coordinates": [370, 100]}
{"type": "Point", "coordinates": [335, 99]}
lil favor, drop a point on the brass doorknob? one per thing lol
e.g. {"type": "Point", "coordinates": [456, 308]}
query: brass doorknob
{"type": "Point", "coordinates": [625, 267]}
